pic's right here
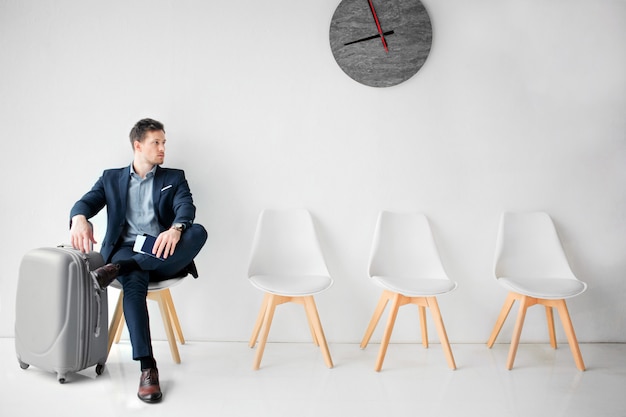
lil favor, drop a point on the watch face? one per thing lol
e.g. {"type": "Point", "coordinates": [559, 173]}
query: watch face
{"type": "Point", "coordinates": [380, 43]}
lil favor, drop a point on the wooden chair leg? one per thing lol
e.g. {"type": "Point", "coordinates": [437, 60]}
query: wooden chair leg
{"type": "Point", "coordinates": [117, 322]}
{"type": "Point", "coordinates": [165, 316]}
{"type": "Point", "coordinates": [441, 330]}
{"type": "Point", "coordinates": [310, 319]}
{"type": "Point", "coordinates": [506, 308]}
{"type": "Point", "coordinates": [391, 320]}
{"type": "Point", "coordinates": [259, 321]}
{"type": "Point", "coordinates": [423, 325]}
{"type": "Point", "coordinates": [167, 296]}
{"type": "Point", "coordinates": [268, 315]}
{"type": "Point", "coordinates": [569, 332]}
{"type": "Point", "coordinates": [525, 302]}
{"type": "Point", "coordinates": [550, 319]}
{"type": "Point", "coordinates": [120, 329]}
{"type": "Point", "coordinates": [314, 319]}
{"type": "Point", "coordinates": [380, 308]}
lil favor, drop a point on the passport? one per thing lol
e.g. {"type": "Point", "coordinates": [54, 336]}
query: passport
{"type": "Point", "coordinates": [144, 244]}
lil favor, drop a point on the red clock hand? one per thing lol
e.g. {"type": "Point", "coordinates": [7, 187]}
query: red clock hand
{"type": "Point", "coordinates": [380, 31]}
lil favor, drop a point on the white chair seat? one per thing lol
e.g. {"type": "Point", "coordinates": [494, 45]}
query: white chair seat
{"type": "Point", "coordinates": [415, 286]}
{"type": "Point", "coordinates": [547, 288]}
{"type": "Point", "coordinates": [291, 285]}
{"type": "Point", "coordinates": [154, 286]}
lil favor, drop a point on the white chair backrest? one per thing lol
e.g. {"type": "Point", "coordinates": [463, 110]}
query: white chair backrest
{"type": "Point", "coordinates": [286, 243]}
{"type": "Point", "coordinates": [528, 246]}
{"type": "Point", "coordinates": [403, 246]}
{"type": "Point", "coordinates": [99, 227]}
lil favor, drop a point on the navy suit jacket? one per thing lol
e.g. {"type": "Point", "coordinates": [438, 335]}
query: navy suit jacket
{"type": "Point", "coordinates": [171, 197]}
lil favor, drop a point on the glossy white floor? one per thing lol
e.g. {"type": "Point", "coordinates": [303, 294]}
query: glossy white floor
{"type": "Point", "coordinates": [215, 379]}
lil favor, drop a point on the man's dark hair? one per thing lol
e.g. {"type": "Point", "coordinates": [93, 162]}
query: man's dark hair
{"type": "Point", "coordinates": [138, 132]}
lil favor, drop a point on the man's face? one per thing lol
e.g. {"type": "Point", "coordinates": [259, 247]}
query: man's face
{"type": "Point", "coordinates": [152, 148]}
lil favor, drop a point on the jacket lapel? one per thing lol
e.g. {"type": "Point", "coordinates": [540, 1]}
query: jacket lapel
{"type": "Point", "coordinates": [157, 185]}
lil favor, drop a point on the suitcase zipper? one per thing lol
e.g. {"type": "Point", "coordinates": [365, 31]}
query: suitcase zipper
{"type": "Point", "coordinates": [85, 328]}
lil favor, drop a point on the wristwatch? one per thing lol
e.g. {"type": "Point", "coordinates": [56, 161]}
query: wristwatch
{"type": "Point", "coordinates": [178, 226]}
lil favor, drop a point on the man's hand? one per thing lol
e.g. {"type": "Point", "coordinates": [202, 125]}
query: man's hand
{"type": "Point", "coordinates": [166, 243]}
{"type": "Point", "coordinates": [81, 234]}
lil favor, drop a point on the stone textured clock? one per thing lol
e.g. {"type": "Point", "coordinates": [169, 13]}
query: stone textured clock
{"type": "Point", "coordinates": [380, 43]}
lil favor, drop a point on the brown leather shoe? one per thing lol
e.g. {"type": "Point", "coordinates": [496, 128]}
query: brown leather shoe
{"type": "Point", "coordinates": [149, 388]}
{"type": "Point", "coordinates": [106, 274]}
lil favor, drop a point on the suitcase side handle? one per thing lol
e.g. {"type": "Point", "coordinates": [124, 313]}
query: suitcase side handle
{"type": "Point", "coordinates": [99, 306]}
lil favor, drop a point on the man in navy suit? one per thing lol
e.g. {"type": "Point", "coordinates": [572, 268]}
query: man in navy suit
{"type": "Point", "coordinates": [142, 198]}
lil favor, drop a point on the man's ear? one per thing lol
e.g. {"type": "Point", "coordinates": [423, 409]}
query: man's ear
{"type": "Point", "coordinates": [137, 146]}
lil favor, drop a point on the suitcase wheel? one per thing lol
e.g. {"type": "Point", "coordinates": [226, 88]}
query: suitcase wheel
{"type": "Point", "coordinates": [61, 378]}
{"type": "Point", "coordinates": [99, 369]}
{"type": "Point", "coordinates": [23, 365]}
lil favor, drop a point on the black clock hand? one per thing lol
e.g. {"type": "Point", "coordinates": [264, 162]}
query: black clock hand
{"type": "Point", "coordinates": [369, 38]}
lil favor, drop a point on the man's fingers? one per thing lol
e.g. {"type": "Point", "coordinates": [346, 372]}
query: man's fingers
{"type": "Point", "coordinates": [81, 237]}
{"type": "Point", "coordinates": [89, 243]}
{"type": "Point", "coordinates": [157, 248]}
{"type": "Point", "coordinates": [172, 247]}
{"type": "Point", "coordinates": [160, 246]}
{"type": "Point", "coordinates": [165, 245]}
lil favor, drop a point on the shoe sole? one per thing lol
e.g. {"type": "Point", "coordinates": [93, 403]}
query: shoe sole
{"type": "Point", "coordinates": [151, 400]}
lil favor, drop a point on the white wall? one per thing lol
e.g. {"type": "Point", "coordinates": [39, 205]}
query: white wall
{"type": "Point", "coordinates": [520, 106]}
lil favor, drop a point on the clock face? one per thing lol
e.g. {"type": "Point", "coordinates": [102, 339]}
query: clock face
{"type": "Point", "coordinates": [380, 43]}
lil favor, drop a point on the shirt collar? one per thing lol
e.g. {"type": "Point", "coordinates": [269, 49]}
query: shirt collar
{"type": "Point", "coordinates": [148, 175]}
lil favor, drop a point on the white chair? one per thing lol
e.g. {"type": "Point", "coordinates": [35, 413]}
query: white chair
{"type": "Point", "coordinates": [159, 292]}
{"type": "Point", "coordinates": [405, 262]}
{"type": "Point", "coordinates": [531, 264]}
{"type": "Point", "coordinates": [287, 264]}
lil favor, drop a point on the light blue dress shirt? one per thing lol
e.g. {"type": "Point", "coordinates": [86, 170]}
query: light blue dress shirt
{"type": "Point", "coordinates": [140, 217]}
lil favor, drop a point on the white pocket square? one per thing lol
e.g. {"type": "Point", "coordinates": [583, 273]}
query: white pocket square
{"type": "Point", "coordinates": [166, 187]}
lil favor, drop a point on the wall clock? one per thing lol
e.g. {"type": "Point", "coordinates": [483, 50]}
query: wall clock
{"type": "Point", "coordinates": [380, 43]}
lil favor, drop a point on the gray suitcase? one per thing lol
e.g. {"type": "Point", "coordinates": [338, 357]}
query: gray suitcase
{"type": "Point", "coordinates": [61, 317]}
